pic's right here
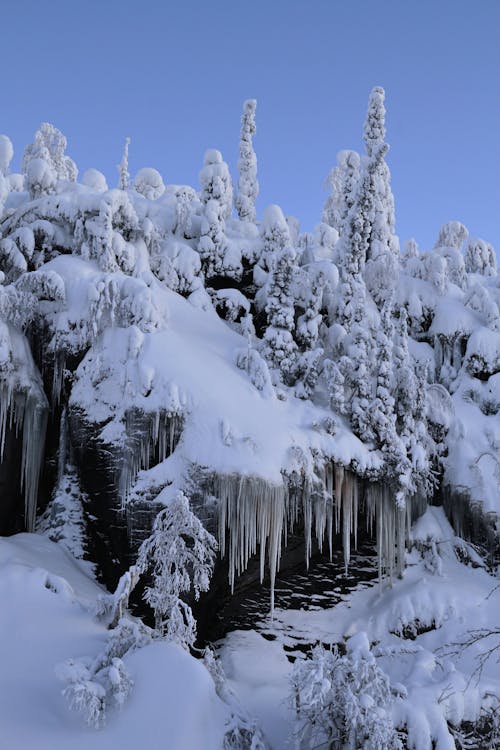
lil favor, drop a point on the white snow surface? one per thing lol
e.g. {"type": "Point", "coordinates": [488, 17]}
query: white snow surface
{"type": "Point", "coordinates": [189, 367]}
{"type": "Point", "coordinates": [45, 619]}
{"type": "Point", "coordinates": [438, 685]}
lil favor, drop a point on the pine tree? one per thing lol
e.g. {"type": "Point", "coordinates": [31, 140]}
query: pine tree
{"type": "Point", "coordinates": [248, 186]}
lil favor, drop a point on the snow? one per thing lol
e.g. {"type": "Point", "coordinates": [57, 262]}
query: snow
{"type": "Point", "coordinates": [434, 687]}
{"type": "Point", "coordinates": [49, 620]}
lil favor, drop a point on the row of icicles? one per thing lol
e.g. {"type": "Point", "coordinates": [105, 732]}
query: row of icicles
{"type": "Point", "coordinates": [256, 514]}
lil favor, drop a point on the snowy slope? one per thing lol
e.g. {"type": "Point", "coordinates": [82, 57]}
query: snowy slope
{"type": "Point", "coordinates": [46, 619]}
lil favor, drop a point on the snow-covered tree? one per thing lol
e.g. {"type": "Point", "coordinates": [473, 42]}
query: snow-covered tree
{"type": "Point", "coordinates": [436, 271]}
{"type": "Point", "coordinates": [335, 384]}
{"type": "Point", "coordinates": [452, 234]}
{"type": "Point", "coordinates": [123, 173]}
{"type": "Point", "coordinates": [180, 554]}
{"type": "Point", "coordinates": [275, 235]}
{"type": "Point", "coordinates": [6, 154]}
{"type": "Point", "coordinates": [248, 186]}
{"type": "Point", "coordinates": [383, 245]}
{"type": "Point", "coordinates": [356, 368]}
{"type": "Point", "coordinates": [148, 182]}
{"type": "Point", "coordinates": [215, 182]}
{"type": "Point", "coordinates": [216, 196]}
{"type": "Point", "coordinates": [480, 257]}
{"type": "Point", "coordinates": [279, 346]}
{"type": "Point", "coordinates": [343, 701]}
{"type": "Point", "coordinates": [45, 161]}
{"type": "Point", "coordinates": [312, 285]}
{"type": "Point", "coordinates": [343, 182]}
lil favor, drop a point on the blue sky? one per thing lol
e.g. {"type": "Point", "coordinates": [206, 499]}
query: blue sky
{"type": "Point", "coordinates": [173, 76]}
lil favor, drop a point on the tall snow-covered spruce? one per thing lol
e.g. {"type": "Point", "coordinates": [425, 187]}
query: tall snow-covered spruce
{"type": "Point", "coordinates": [248, 186]}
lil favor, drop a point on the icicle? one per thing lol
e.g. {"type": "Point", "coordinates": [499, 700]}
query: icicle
{"type": "Point", "coordinates": [347, 503]}
{"type": "Point", "coordinates": [329, 490]}
{"type": "Point", "coordinates": [355, 510]}
{"type": "Point", "coordinates": [253, 512]}
{"type": "Point", "coordinates": [63, 445]}
{"type": "Point", "coordinates": [151, 437]}
{"type": "Point", "coordinates": [58, 377]}
{"type": "Point", "coordinates": [307, 513]}
{"type": "Point", "coordinates": [400, 539]}
{"type": "Point", "coordinates": [339, 478]}
{"type": "Point", "coordinates": [34, 422]}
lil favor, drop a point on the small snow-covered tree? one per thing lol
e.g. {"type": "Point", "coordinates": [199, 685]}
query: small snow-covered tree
{"type": "Point", "coordinates": [312, 284]}
{"type": "Point", "coordinates": [343, 701]}
{"type": "Point", "coordinates": [275, 235]}
{"type": "Point", "coordinates": [343, 182]}
{"type": "Point", "coordinates": [6, 154]}
{"type": "Point", "coordinates": [216, 196]}
{"type": "Point", "coordinates": [180, 553]}
{"type": "Point", "coordinates": [123, 173]}
{"type": "Point", "coordinates": [148, 182]}
{"type": "Point", "coordinates": [279, 346]}
{"type": "Point", "coordinates": [45, 161]}
{"type": "Point", "coordinates": [335, 384]}
{"type": "Point", "coordinates": [216, 183]}
{"type": "Point", "coordinates": [436, 270]}
{"type": "Point", "coordinates": [452, 234]}
{"type": "Point", "coordinates": [480, 257]}
{"type": "Point", "coordinates": [248, 186]}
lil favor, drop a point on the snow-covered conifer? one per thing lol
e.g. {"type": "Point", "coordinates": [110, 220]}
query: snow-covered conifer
{"type": "Point", "coordinates": [383, 245]}
{"type": "Point", "coordinates": [410, 250]}
{"type": "Point", "coordinates": [480, 257]}
{"type": "Point", "coordinates": [45, 161]}
{"type": "Point", "coordinates": [335, 384]}
{"type": "Point", "coordinates": [343, 182]}
{"type": "Point", "coordinates": [180, 553]}
{"type": "Point", "coordinates": [383, 408]}
{"type": "Point", "coordinates": [343, 701]}
{"type": "Point", "coordinates": [452, 234]}
{"type": "Point", "coordinates": [216, 183]}
{"type": "Point", "coordinates": [216, 196]}
{"type": "Point", "coordinates": [148, 182]}
{"type": "Point", "coordinates": [279, 345]}
{"type": "Point", "coordinates": [311, 292]}
{"type": "Point", "coordinates": [356, 368]}
{"type": "Point", "coordinates": [123, 173]}
{"type": "Point", "coordinates": [436, 270]}
{"type": "Point", "coordinates": [248, 186]}
{"type": "Point", "coordinates": [6, 154]}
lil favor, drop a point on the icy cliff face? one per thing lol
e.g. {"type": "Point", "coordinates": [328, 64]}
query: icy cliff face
{"type": "Point", "coordinates": [274, 374]}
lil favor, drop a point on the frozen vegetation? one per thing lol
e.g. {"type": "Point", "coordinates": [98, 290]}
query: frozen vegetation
{"type": "Point", "coordinates": [179, 375]}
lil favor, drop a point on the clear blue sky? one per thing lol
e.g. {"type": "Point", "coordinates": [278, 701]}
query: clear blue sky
{"type": "Point", "coordinates": [173, 76]}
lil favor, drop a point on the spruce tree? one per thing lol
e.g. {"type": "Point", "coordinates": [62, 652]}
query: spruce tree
{"type": "Point", "coordinates": [248, 186]}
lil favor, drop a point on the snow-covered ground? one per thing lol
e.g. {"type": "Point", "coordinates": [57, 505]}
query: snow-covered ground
{"type": "Point", "coordinates": [46, 618]}
{"type": "Point", "coordinates": [412, 624]}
